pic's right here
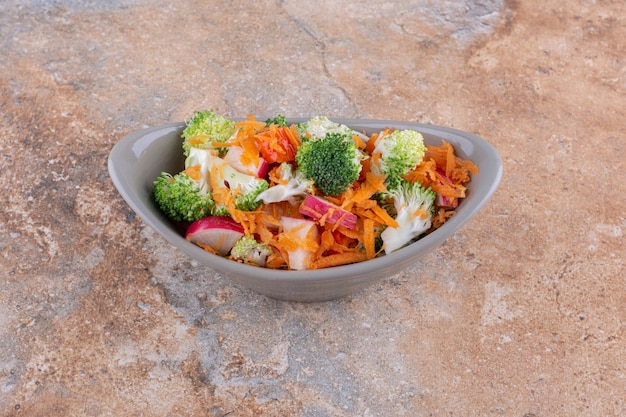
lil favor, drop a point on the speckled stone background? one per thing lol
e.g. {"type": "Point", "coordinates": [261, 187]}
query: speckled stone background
{"type": "Point", "coordinates": [521, 313]}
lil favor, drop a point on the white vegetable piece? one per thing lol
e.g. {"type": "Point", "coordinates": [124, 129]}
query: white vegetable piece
{"type": "Point", "coordinates": [300, 259]}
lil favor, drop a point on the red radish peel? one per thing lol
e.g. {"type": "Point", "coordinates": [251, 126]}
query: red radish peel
{"type": "Point", "coordinates": [318, 209]}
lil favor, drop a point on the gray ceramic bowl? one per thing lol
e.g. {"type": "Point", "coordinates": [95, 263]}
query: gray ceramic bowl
{"type": "Point", "coordinates": [140, 157]}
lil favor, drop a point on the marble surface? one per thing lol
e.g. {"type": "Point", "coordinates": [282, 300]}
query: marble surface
{"type": "Point", "coordinates": [521, 313]}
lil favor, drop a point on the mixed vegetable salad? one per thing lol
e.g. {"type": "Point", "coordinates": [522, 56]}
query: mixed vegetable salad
{"type": "Point", "coordinates": [309, 195]}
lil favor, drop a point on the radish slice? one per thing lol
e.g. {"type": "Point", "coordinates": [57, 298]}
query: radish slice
{"type": "Point", "coordinates": [318, 208]}
{"type": "Point", "coordinates": [300, 259]}
{"type": "Point", "coordinates": [233, 157]}
{"type": "Point", "coordinates": [443, 201]}
{"type": "Point", "coordinates": [220, 233]}
{"type": "Point", "coordinates": [447, 202]}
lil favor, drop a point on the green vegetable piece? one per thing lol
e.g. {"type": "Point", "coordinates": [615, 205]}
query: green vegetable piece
{"type": "Point", "coordinates": [182, 198]}
{"type": "Point", "coordinates": [248, 250]}
{"type": "Point", "coordinates": [332, 162]}
{"type": "Point", "coordinates": [400, 151]}
{"type": "Point", "coordinates": [204, 128]}
{"type": "Point", "coordinates": [279, 120]}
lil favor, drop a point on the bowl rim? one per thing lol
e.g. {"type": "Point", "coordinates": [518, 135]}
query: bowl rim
{"type": "Point", "coordinates": [134, 144]}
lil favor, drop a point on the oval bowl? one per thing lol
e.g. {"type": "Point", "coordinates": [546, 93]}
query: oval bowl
{"type": "Point", "coordinates": [141, 156]}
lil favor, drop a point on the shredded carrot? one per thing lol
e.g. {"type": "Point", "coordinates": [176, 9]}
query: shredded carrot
{"type": "Point", "coordinates": [369, 238]}
{"type": "Point", "coordinates": [359, 142]}
{"type": "Point", "coordinates": [339, 259]}
{"type": "Point", "coordinates": [194, 172]}
{"type": "Point", "coordinates": [327, 241]}
{"type": "Point", "coordinates": [294, 136]}
{"type": "Point", "coordinates": [250, 149]}
{"type": "Point", "coordinates": [250, 125]}
{"type": "Point", "coordinates": [197, 140]}
{"type": "Point", "coordinates": [206, 247]}
{"type": "Point", "coordinates": [384, 217]}
{"type": "Point", "coordinates": [452, 165]}
{"type": "Point", "coordinates": [221, 144]}
{"type": "Point", "coordinates": [421, 213]}
{"type": "Point", "coordinates": [366, 167]}
{"type": "Point", "coordinates": [345, 232]}
{"type": "Point", "coordinates": [264, 233]}
{"type": "Point", "coordinates": [278, 143]}
{"type": "Point", "coordinates": [371, 185]}
{"type": "Point", "coordinates": [370, 145]}
{"type": "Point", "coordinates": [443, 171]}
{"type": "Point", "coordinates": [441, 216]}
{"type": "Point", "coordinates": [275, 261]}
{"type": "Point", "coordinates": [290, 240]}
{"type": "Point", "coordinates": [450, 162]}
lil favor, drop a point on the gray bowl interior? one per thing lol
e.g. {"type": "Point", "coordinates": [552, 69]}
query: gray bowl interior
{"type": "Point", "coordinates": [140, 157]}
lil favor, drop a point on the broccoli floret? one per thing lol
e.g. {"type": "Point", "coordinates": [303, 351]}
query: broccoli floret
{"type": "Point", "coordinates": [319, 126]}
{"type": "Point", "coordinates": [414, 208]}
{"type": "Point", "coordinates": [248, 250]}
{"type": "Point", "coordinates": [246, 194]}
{"type": "Point", "coordinates": [204, 128]}
{"type": "Point", "coordinates": [294, 184]}
{"type": "Point", "coordinates": [279, 120]}
{"type": "Point", "coordinates": [243, 187]}
{"type": "Point", "coordinates": [181, 197]}
{"type": "Point", "coordinates": [220, 210]}
{"type": "Point", "coordinates": [332, 162]}
{"type": "Point", "coordinates": [400, 151]}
